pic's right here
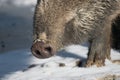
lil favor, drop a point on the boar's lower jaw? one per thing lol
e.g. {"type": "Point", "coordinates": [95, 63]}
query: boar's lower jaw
{"type": "Point", "coordinates": [41, 50]}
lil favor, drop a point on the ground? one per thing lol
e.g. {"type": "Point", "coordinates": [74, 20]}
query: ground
{"type": "Point", "coordinates": [21, 65]}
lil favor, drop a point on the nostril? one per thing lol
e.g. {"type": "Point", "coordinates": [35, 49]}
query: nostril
{"type": "Point", "coordinates": [37, 52]}
{"type": "Point", "coordinates": [48, 49]}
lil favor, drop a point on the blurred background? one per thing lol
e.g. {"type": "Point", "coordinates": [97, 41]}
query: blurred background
{"type": "Point", "coordinates": [16, 23]}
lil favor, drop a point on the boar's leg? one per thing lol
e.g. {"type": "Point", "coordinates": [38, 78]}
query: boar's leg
{"type": "Point", "coordinates": [99, 50]}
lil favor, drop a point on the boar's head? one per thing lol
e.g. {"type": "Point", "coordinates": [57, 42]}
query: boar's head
{"type": "Point", "coordinates": [51, 19]}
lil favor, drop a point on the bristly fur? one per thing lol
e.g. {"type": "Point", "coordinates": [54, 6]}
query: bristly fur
{"type": "Point", "coordinates": [68, 22]}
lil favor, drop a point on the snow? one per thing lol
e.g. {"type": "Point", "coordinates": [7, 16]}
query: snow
{"type": "Point", "coordinates": [21, 65]}
{"type": "Point", "coordinates": [16, 24]}
{"type": "Point", "coordinates": [18, 2]}
{"type": "Point", "coordinates": [22, 8]}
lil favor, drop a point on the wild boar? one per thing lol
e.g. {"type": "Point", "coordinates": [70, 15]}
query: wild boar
{"type": "Point", "coordinates": [59, 23]}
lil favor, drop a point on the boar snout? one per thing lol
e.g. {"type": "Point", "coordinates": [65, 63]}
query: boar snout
{"type": "Point", "coordinates": [42, 50]}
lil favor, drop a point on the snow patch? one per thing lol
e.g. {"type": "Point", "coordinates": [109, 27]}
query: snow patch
{"type": "Point", "coordinates": [50, 69]}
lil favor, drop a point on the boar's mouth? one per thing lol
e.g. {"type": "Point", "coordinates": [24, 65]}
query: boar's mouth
{"type": "Point", "coordinates": [42, 50]}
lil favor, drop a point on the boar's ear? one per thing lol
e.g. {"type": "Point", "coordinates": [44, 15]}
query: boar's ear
{"type": "Point", "coordinates": [38, 1]}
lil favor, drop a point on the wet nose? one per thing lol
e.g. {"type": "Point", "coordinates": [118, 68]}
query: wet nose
{"type": "Point", "coordinates": [42, 50]}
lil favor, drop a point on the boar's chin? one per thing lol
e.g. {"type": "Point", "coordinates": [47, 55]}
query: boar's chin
{"type": "Point", "coordinates": [41, 50]}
